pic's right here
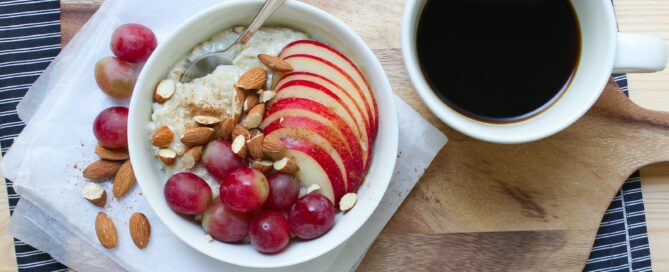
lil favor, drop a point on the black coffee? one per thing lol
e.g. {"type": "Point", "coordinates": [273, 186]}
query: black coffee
{"type": "Point", "coordinates": [499, 60]}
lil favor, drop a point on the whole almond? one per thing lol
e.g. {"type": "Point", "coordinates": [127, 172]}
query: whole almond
{"type": "Point", "coordinates": [162, 137]}
{"type": "Point", "coordinates": [238, 146]}
{"type": "Point", "coordinates": [275, 63]}
{"type": "Point", "coordinates": [101, 169]}
{"type": "Point", "coordinates": [262, 166]}
{"type": "Point", "coordinates": [192, 157]}
{"type": "Point", "coordinates": [95, 194]}
{"type": "Point", "coordinates": [273, 148]}
{"type": "Point", "coordinates": [240, 130]}
{"type": "Point", "coordinates": [164, 90]}
{"type": "Point", "coordinates": [124, 180]}
{"type": "Point", "coordinates": [255, 146]}
{"type": "Point", "coordinates": [111, 154]}
{"type": "Point", "coordinates": [197, 136]}
{"type": "Point", "coordinates": [254, 116]}
{"type": "Point", "coordinates": [250, 101]}
{"type": "Point", "coordinates": [286, 166]}
{"type": "Point", "coordinates": [167, 156]}
{"type": "Point", "coordinates": [206, 120]}
{"type": "Point", "coordinates": [226, 127]}
{"type": "Point", "coordinates": [253, 79]}
{"type": "Point", "coordinates": [140, 229]}
{"type": "Point", "coordinates": [254, 132]}
{"type": "Point", "coordinates": [105, 230]}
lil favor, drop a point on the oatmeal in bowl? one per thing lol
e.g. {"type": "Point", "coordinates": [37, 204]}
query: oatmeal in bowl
{"type": "Point", "coordinates": [276, 159]}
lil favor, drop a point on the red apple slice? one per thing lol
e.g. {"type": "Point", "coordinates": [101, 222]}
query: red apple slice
{"type": "Point", "coordinates": [336, 127]}
{"type": "Point", "coordinates": [319, 109]}
{"type": "Point", "coordinates": [320, 66]}
{"type": "Point", "coordinates": [306, 135]}
{"type": "Point", "coordinates": [324, 137]}
{"type": "Point", "coordinates": [318, 93]}
{"type": "Point", "coordinates": [330, 85]}
{"type": "Point", "coordinates": [314, 162]}
{"type": "Point", "coordinates": [332, 55]}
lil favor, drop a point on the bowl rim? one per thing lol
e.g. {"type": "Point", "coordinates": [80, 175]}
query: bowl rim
{"type": "Point", "coordinates": [138, 134]}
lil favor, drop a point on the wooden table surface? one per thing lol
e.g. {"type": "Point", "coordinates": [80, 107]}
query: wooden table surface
{"type": "Point", "coordinates": [648, 90]}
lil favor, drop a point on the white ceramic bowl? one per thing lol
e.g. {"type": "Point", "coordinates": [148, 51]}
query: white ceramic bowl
{"type": "Point", "coordinates": [319, 25]}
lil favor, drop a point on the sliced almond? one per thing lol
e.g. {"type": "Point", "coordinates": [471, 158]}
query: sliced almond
{"type": "Point", "coordinates": [162, 137]}
{"type": "Point", "coordinates": [273, 148]}
{"type": "Point", "coordinates": [165, 90]}
{"type": "Point", "coordinates": [192, 157]}
{"type": "Point", "coordinates": [313, 188]}
{"type": "Point", "coordinates": [140, 229]}
{"type": "Point", "coordinates": [124, 180]}
{"type": "Point", "coordinates": [266, 96]}
{"type": "Point", "coordinates": [255, 146]}
{"type": "Point", "coordinates": [226, 127]}
{"type": "Point", "coordinates": [208, 238]}
{"type": "Point", "coordinates": [253, 79]}
{"type": "Point", "coordinates": [347, 201]}
{"type": "Point", "coordinates": [286, 166]}
{"type": "Point", "coordinates": [240, 97]}
{"type": "Point", "coordinates": [262, 166]}
{"type": "Point", "coordinates": [275, 63]}
{"type": "Point", "coordinates": [240, 130]}
{"type": "Point", "coordinates": [197, 136]}
{"type": "Point", "coordinates": [101, 169]}
{"type": "Point", "coordinates": [254, 116]}
{"type": "Point", "coordinates": [167, 156]}
{"type": "Point", "coordinates": [206, 120]}
{"type": "Point", "coordinates": [239, 146]}
{"type": "Point", "coordinates": [111, 154]}
{"type": "Point", "coordinates": [95, 194]}
{"type": "Point", "coordinates": [105, 230]}
{"type": "Point", "coordinates": [250, 101]}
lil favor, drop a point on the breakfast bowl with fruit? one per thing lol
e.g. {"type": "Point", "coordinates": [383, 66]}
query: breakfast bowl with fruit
{"type": "Point", "coordinates": [272, 160]}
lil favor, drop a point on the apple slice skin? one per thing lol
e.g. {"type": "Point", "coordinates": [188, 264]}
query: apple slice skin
{"type": "Point", "coordinates": [335, 127]}
{"type": "Point", "coordinates": [307, 87]}
{"type": "Point", "coordinates": [324, 160]}
{"type": "Point", "coordinates": [352, 163]}
{"type": "Point", "coordinates": [327, 83]}
{"type": "Point", "coordinates": [295, 47]}
{"type": "Point", "coordinates": [305, 62]}
{"type": "Point", "coordinates": [309, 105]}
{"type": "Point", "coordinates": [311, 172]}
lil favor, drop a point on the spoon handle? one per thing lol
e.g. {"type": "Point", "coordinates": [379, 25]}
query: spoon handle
{"type": "Point", "coordinates": [266, 11]}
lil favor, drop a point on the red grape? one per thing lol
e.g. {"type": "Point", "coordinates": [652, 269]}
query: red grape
{"type": "Point", "coordinates": [133, 42]}
{"type": "Point", "coordinates": [219, 160]}
{"type": "Point", "coordinates": [283, 191]}
{"type": "Point", "coordinates": [311, 216]}
{"type": "Point", "coordinates": [225, 225]}
{"type": "Point", "coordinates": [269, 232]}
{"type": "Point", "coordinates": [186, 193]}
{"type": "Point", "coordinates": [115, 77]}
{"type": "Point", "coordinates": [111, 127]}
{"type": "Point", "coordinates": [244, 190]}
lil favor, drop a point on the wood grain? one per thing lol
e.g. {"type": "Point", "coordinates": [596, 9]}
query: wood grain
{"type": "Point", "coordinates": [481, 206]}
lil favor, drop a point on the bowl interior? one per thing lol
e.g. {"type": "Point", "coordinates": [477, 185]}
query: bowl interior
{"type": "Point", "coordinates": [319, 25]}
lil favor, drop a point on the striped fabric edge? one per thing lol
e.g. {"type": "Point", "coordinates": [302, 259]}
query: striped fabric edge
{"type": "Point", "coordinates": [29, 41]}
{"type": "Point", "coordinates": [621, 243]}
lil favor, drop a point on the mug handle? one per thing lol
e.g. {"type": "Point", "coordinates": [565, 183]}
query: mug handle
{"type": "Point", "coordinates": [639, 54]}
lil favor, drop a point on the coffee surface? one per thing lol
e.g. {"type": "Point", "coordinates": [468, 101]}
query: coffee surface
{"type": "Point", "coordinates": [498, 61]}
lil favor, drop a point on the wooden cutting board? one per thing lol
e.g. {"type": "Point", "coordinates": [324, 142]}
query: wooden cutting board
{"type": "Point", "coordinates": [483, 206]}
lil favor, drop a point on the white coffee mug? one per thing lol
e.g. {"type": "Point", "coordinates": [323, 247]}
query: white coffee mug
{"type": "Point", "coordinates": [604, 51]}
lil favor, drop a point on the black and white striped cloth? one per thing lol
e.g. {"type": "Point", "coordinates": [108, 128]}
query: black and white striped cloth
{"type": "Point", "coordinates": [30, 39]}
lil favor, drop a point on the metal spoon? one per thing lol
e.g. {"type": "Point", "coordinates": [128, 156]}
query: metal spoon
{"type": "Point", "coordinates": [203, 65]}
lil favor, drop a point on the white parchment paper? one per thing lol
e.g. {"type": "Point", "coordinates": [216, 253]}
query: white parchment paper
{"type": "Point", "coordinates": [46, 160]}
